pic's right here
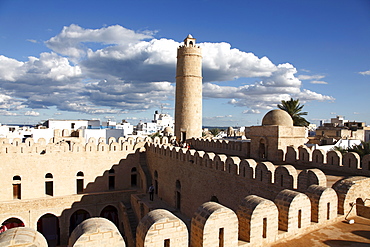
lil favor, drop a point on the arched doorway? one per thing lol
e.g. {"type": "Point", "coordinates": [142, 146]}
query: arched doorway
{"type": "Point", "coordinates": [76, 218]}
{"type": "Point", "coordinates": [48, 225]}
{"type": "Point", "coordinates": [262, 149]}
{"type": "Point", "coordinates": [11, 223]}
{"type": "Point", "coordinates": [110, 213]}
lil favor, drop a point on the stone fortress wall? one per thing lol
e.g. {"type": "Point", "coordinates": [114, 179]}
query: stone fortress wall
{"type": "Point", "coordinates": [265, 197]}
{"type": "Point", "coordinates": [254, 199]}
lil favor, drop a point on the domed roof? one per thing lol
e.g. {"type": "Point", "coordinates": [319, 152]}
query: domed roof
{"type": "Point", "coordinates": [168, 130]}
{"type": "Point", "coordinates": [277, 117]}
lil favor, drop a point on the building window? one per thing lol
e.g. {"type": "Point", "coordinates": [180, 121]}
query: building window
{"type": "Point", "coordinates": [49, 190]}
{"type": "Point", "coordinates": [80, 182]}
{"type": "Point", "coordinates": [16, 187]}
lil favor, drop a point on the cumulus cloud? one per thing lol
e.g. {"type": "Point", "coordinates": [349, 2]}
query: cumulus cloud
{"type": "Point", "coordinates": [31, 113]}
{"type": "Point", "coordinates": [251, 112]}
{"type": "Point", "coordinates": [318, 82]}
{"type": "Point", "coordinates": [7, 113]}
{"type": "Point", "coordinates": [310, 77]}
{"type": "Point", "coordinates": [112, 70]}
{"type": "Point", "coordinates": [365, 72]}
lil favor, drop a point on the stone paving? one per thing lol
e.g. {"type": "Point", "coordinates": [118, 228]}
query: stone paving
{"type": "Point", "coordinates": [336, 235]}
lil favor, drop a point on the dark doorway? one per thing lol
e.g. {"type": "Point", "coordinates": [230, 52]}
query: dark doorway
{"type": "Point", "coordinates": [110, 213]}
{"type": "Point", "coordinates": [76, 218]}
{"type": "Point", "coordinates": [48, 225]}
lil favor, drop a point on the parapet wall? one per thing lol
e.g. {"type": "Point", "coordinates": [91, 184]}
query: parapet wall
{"type": "Point", "coordinates": [198, 176]}
{"type": "Point", "coordinates": [350, 163]}
{"type": "Point", "coordinates": [74, 145]}
{"type": "Point", "coordinates": [332, 160]}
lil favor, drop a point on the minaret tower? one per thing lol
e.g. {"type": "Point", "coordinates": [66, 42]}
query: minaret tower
{"type": "Point", "coordinates": [188, 108]}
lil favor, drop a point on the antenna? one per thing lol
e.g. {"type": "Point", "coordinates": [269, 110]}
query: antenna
{"type": "Point", "coordinates": [162, 108]}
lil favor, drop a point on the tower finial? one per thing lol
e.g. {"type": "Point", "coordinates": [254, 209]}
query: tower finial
{"type": "Point", "coordinates": [189, 40]}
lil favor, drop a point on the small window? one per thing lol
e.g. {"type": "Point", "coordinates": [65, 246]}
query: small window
{"type": "Point", "coordinates": [48, 175]}
{"type": "Point", "coordinates": [17, 187]}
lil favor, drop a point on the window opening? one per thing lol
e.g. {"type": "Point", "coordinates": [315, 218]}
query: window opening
{"type": "Point", "coordinates": [221, 237]}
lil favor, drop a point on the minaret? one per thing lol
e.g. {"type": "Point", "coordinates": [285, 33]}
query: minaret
{"type": "Point", "coordinates": [188, 108]}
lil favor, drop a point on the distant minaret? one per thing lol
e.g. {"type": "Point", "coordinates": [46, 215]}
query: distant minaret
{"type": "Point", "coordinates": [188, 108]}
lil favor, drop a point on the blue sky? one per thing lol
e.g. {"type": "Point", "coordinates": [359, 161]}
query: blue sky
{"type": "Point", "coordinates": [116, 59]}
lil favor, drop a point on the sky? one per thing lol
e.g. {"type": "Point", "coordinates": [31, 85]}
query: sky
{"type": "Point", "coordinates": [116, 59]}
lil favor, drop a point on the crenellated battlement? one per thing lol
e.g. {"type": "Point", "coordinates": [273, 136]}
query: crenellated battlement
{"type": "Point", "coordinates": [73, 144]}
{"type": "Point", "coordinates": [333, 160]}
{"type": "Point", "coordinates": [281, 176]}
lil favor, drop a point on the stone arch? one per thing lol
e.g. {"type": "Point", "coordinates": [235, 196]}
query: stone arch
{"type": "Point", "coordinates": [12, 223]}
{"type": "Point", "coordinates": [311, 176]}
{"type": "Point", "coordinates": [77, 147]}
{"type": "Point", "coordinates": [76, 218]}
{"type": "Point", "coordinates": [219, 162]}
{"type": "Point", "coordinates": [324, 203]}
{"type": "Point", "coordinates": [160, 226]}
{"type": "Point", "coordinates": [25, 235]}
{"type": "Point", "coordinates": [48, 226]}
{"type": "Point", "coordinates": [348, 191]}
{"type": "Point", "coordinates": [198, 156]}
{"type": "Point", "coordinates": [334, 158]}
{"type": "Point", "coordinates": [304, 154]}
{"type": "Point", "coordinates": [65, 132]}
{"type": "Point", "coordinates": [291, 155]}
{"type": "Point", "coordinates": [265, 172]}
{"type": "Point", "coordinates": [262, 148]}
{"type": "Point", "coordinates": [318, 157]}
{"type": "Point", "coordinates": [16, 141]}
{"type": "Point", "coordinates": [111, 140]}
{"type": "Point", "coordinates": [114, 147]}
{"type": "Point", "coordinates": [232, 165]}
{"type": "Point", "coordinates": [351, 161]}
{"type": "Point", "coordinates": [286, 176]}
{"type": "Point", "coordinates": [247, 168]}
{"type": "Point", "coordinates": [102, 147]}
{"type": "Point", "coordinates": [208, 159]}
{"type": "Point", "coordinates": [157, 140]}
{"type": "Point", "coordinates": [29, 142]}
{"type": "Point", "coordinates": [214, 225]}
{"type": "Point", "coordinates": [258, 220]}
{"type": "Point", "coordinates": [294, 210]}
{"type": "Point", "coordinates": [102, 140]}
{"type": "Point", "coordinates": [92, 140]}
{"type": "Point", "coordinates": [90, 147]}
{"type": "Point", "coordinates": [96, 232]}
{"type": "Point", "coordinates": [110, 213]}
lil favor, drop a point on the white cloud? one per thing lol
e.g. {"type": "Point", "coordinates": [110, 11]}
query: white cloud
{"type": "Point", "coordinates": [318, 82]}
{"type": "Point", "coordinates": [112, 70]}
{"type": "Point", "coordinates": [31, 113]}
{"type": "Point", "coordinates": [7, 113]}
{"type": "Point", "coordinates": [365, 72]}
{"type": "Point", "coordinates": [251, 112]}
{"type": "Point", "coordinates": [310, 77]}
{"type": "Point", "coordinates": [70, 41]}
{"type": "Point", "coordinates": [32, 40]}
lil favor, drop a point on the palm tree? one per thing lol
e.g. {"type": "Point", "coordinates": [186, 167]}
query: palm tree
{"type": "Point", "coordinates": [294, 109]}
